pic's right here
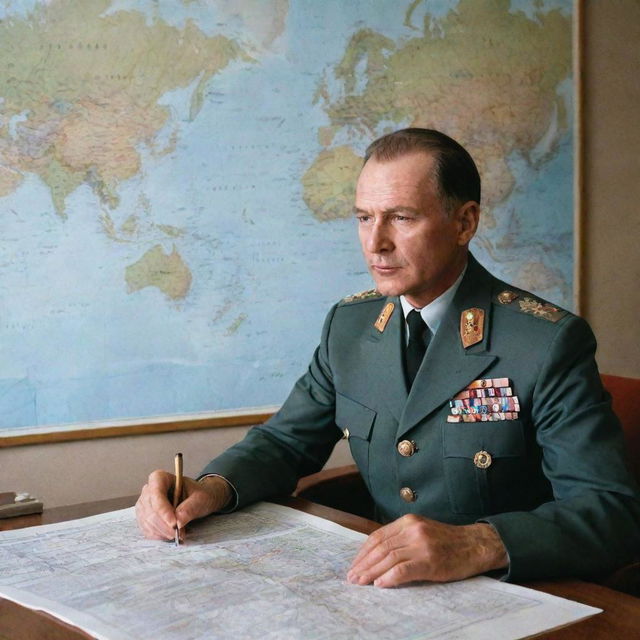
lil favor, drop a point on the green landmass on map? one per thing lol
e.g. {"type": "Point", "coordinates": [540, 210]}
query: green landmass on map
{"type": "Point", "coordinates": [85, 84]}
{"type": "Point", "coordinates": [485, 75]}
{"type": "Point", "coordinates": [167, 272]}
{"type": "Point", "coordinates": [235, 325]}
{"type": "Point", "coordinates": [82, 83]}
{"type": "Point", "coordinates": [329, 183]}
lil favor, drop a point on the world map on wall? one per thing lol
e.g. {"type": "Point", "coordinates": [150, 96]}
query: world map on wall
{"type": "Point", "coordinates": [177, 182]}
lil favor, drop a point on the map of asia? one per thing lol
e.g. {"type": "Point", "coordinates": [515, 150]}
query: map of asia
{"type": "Point", "coordinates": [177, 181]}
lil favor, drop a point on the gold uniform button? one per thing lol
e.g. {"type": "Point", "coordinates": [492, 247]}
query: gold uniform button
{"type": "Point", "coordinates": [407, 448]}
{"type": "Point", "coordinates": [407, 494]}
{"type": "Point", "coordinates": [482, 460]}
{"type": "Point", "coordinates": [345, 433]}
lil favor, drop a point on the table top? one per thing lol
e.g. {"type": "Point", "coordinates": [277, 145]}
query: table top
{"type": "Point", "coordinates": [620, 617]}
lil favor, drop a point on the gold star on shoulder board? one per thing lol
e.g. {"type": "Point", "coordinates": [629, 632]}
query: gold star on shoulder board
{"type": "Point", "coordinates": [507, 297]}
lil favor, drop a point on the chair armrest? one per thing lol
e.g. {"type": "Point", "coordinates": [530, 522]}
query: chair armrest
{"type": "Point", "coordinates": [626, 579]}
{"type": "Point", "coordinates": [341, 488]}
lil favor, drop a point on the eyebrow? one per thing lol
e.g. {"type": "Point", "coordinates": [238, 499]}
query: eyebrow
{"type": "Point", "coordinates": [389, 211]}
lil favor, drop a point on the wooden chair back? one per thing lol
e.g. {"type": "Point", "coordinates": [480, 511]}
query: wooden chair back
{"type": "Point", "coordinates": [625, 396]}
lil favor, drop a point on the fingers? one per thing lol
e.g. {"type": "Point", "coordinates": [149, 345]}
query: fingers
{"type": "Point", "coordinates": [416, 548]}
{"type": "Point", "coordinates": [378, 537]}
{"type": "Point", "coordinates": [385, 549]}
{"type": "Point", "coordinates": [199, 502]}
{"type": "Point", "coordinates": [152, 525]}
{"type": "Point", "coordinates": [396, 570]}
{"type": "Point", "coordinates": [154, 512]}
{"type": "Point", "coordinates": [408, 549]}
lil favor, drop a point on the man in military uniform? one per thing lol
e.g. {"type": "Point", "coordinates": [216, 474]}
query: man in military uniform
{"type": "Point", "coordinates": [473, 409]}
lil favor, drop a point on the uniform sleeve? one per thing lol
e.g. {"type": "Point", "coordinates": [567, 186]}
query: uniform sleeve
{"type": "Point", "coordinates": [593, 524]}
{"type": "Point", "coordinates": [295, 442]}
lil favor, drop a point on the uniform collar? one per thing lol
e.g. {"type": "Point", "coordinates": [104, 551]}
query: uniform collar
{"type": "Point", "coordinates": [433, 313]}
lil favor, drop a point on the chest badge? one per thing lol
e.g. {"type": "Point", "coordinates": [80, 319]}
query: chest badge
{"type": "Point", "coordinates": [485, 400]}
{"type": "Point", "coordinates": [471, 326]}
{"type": "Point", "coordinates": [381, 323]}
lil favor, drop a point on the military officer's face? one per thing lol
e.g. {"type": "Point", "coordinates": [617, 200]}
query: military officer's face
{"type": "Point", "coordinates": [412, 246]}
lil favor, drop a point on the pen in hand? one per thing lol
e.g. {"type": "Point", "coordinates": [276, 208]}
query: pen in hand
{"type": "Point", "coordinates": [177, 491]}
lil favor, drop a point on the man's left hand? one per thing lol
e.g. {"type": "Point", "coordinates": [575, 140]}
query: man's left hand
{"type": "Point", "coordinates": [416, 548]}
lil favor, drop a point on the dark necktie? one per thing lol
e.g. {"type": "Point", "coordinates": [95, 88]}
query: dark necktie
{"type": "Point", "coordinates": [419, 336]}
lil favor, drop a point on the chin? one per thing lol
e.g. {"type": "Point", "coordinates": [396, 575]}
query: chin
{"type": "Point", "coordinates": [387, 289]}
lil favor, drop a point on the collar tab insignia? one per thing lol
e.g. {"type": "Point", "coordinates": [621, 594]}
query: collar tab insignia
{"type": "Point", "coordinates": [381, 323]}
{"type": "Point", "coordinates": [471, 326]}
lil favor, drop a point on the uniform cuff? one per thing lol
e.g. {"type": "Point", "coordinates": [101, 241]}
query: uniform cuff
{"type": "Point", "coordinates": [232, 505]}
{"type": "Point", "coordinates": [504, 573]}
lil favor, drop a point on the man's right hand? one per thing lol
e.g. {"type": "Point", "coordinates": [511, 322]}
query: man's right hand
{"type": "Point", "coordinates": [155, 514]}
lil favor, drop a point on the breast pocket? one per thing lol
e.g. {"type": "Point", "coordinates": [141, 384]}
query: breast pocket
{"type": "Point", "coordinates": [483, 461]}
{"type": "Point", "coordinates": [356, 422]}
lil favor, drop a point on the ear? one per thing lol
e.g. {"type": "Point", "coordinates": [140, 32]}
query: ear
{"type": "Point", "coordinates": [467, 217]}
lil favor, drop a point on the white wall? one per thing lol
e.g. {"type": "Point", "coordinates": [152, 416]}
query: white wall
{"type": "Point", "coordinates": [612, 182]}
{"type": "Point", "coordinates": [72, 472]}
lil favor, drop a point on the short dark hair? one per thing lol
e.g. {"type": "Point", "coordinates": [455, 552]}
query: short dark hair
{"type": "Point", "coordinates": [456, 173]}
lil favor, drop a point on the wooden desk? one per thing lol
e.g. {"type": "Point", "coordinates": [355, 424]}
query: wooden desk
{"type": "Point", "coordinates": [620, 619]}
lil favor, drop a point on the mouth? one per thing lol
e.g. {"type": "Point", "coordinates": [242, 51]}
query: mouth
{"type": "Point", "coordinates": [383, 269]}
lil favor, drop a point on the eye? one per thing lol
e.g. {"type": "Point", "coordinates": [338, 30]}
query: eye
{"type": "Point", "coordinates": [363, 218]}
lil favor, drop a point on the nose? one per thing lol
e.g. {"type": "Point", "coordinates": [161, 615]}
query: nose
{"type": "Point", "coordinates": [378, 238]}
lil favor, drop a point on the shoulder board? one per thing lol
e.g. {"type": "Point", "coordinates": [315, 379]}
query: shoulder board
{"type": "Point", "coordinates": [526, 303]}
{"type": "Point", "coordinates": [363, 295]}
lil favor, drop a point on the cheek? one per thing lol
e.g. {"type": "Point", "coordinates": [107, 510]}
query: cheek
{"type": "Point", "coordinates": [419, 251]}
{"type": "Point", "coordinates": [427, 255]}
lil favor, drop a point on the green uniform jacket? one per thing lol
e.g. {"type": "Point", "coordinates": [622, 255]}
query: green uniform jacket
{"type": "Point", "coordinates": [556, 488]}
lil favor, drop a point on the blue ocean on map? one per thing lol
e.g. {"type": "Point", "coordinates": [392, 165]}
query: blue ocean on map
{"type": "Point", "coordinates": [80, 347]}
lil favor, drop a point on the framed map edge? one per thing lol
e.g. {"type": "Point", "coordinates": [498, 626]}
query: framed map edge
{"type": "Point", "coordinates": [257, 415]}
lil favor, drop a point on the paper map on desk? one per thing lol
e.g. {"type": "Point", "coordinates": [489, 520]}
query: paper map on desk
{"type": "Point", "coordinates": [264, 572]}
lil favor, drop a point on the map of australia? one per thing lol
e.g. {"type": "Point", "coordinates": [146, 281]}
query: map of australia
{"type": "Point", "coordinates": [173, 175]}
{"type": "Point", "coordinates": [86, 95]}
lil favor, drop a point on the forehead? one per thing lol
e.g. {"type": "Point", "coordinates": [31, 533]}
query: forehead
{"type": "Point", "coordinates": [402, 180]}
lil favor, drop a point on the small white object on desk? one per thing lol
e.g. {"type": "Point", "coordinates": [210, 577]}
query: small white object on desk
{"type": "Point", "coordinates": [18, 504]}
